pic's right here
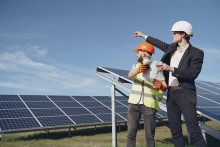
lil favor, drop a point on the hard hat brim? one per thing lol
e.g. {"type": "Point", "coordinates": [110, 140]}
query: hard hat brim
{"type": "Point", "coordinates": [136, 50]}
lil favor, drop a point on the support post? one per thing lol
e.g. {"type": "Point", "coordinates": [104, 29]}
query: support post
{"type": "Point", "coordinates": [0, 134]}
{"type": "Point", "coordinates": [114, 138]}
{"type": "Point", "coordinates": [69, 132]}
{"type": "Point", "coordinates": [203, 131]}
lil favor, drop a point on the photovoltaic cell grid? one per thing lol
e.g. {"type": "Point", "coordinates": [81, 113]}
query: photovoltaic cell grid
{"type": "Point", "coordinates": [29, 112]}
{"type": "Point", "coordinates": [208, 99]}
{"type": "Point", "coordinates": [14, 114]}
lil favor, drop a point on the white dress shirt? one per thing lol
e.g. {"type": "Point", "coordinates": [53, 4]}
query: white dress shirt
{"type": "Point", "coordinates": [174, 62]}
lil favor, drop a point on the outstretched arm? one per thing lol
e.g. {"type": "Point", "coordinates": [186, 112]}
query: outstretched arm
{"type": "Point", "coordinates": [155, 42]}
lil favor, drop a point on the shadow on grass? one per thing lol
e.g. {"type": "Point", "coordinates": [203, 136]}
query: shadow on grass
{"type": "Point", "coordinates": [165, 141]}
{"type": "Point", "coordinates": [211, 141]}
{"type": "Point", "coordinates": [87, 131]}
{"type": "Point", "coordinates": [65, 134]}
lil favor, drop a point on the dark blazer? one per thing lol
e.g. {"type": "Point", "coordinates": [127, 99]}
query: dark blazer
{"type": "Point", "coordinates": [189, 67]}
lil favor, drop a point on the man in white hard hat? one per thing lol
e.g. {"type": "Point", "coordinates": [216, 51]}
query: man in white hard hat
{"type": "Point", "coordinates": [182, 64]}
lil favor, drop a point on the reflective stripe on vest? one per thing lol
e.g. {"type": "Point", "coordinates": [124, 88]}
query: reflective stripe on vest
{"type": "Point", "coordinates": [149, 85]}
{"type": "Point", "coordinates": [146, 95]}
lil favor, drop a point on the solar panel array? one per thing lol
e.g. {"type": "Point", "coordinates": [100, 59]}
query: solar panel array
{"type": "Point", "coordinates": [33, 112]}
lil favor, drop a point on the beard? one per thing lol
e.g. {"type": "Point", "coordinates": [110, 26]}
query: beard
{"type": "Point", "coordinates": [140, 59]}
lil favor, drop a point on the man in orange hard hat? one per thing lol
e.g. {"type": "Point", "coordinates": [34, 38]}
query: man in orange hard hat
{"type": "Point", "coordinates": [146, 94]}
{"type": "Point", "coordinates": [182, 64]}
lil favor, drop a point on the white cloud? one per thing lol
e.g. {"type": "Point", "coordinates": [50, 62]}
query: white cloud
{"type": "Point", "coordinates": [19, 86]}
{"type": "Point", "coordinates": [212, 53]}
{"type": "Point", "coordinates": [38, 50]}
{"type": "Point", "coordinates": [33, 50]}
{"type": "Point", "coordinates": [24, 73]}
{"type": "Point", "coordinates": [12, 85]}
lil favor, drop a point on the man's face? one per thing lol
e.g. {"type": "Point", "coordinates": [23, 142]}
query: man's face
{"type": "Point", "coordinates": [177, 36]}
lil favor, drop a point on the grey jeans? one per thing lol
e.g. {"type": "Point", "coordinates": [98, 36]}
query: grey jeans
{"type": "Point", "coordinates": [134, 114]}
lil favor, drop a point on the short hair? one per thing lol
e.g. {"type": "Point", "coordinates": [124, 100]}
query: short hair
{"type": "Point", "coordinates": [187, 37]}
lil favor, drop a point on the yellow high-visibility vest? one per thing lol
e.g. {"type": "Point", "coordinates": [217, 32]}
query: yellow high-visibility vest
{"type": "Point", "coordinates": [151, 96]}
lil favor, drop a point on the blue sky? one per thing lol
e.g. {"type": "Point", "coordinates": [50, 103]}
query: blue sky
{"type": "Point", "coordinates": [54, 46]}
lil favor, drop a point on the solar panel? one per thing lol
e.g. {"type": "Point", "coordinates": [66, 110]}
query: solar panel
{"type": "Point", "coordinates": [106, 117]}
{"type": "Point", "coordinates": [66, 104]}
{"type": "Point", "coordinates": [38, 98]}
{"type": "Point", "coordinates": [120, 72]}
{"type": "Point", "coordinates": [100, 110]}
{"type": "Point", "coordinates": [47, 112]}
{"type": "Point", "coordinates": [12, 105]}
{"type": "Point", "coordinates": [41, 105]}
{"type": "Point", "coordinates": [8, 125]}
{"type": "Point", "coordinates": [85, 119]}
{"type": "Point", "coordinates": [208, 87]}
{"type": "Point", "coordinates": [211, 97]}
{"type": "Point", "coordinates": [14, 115]}
{"type": "Point", "coordinates": [76, 111]}
{"type": "Point", "coordinates": [211, 112]}
{"type": "Point", "coordinates": [83, 98]}
{"type": "Point", "coordinates": [55, 121]}
{"type": "Point", "coordinates": [9, 98]}
{"type": "Point", "coordinates": [61, 98]}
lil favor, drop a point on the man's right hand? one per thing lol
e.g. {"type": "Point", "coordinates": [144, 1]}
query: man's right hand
{"type": "Point", "coordinates": [141, 68]}
{"type": "Point", "coordinates": [138, 34]}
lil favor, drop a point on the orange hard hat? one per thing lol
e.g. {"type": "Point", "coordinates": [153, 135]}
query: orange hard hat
{"type": "Point", "coordinates": [144, 46]}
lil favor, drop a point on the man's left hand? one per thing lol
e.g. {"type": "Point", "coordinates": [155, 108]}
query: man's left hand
{"type": "Point", "coordinates": [166, 67]}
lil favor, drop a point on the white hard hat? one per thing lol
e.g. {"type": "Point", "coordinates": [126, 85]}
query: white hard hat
{"type": "Point", "coordinates": [183, 26]}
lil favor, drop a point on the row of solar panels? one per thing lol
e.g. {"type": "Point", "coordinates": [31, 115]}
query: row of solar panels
{"type": "Point", "coordinates": [28, 112]}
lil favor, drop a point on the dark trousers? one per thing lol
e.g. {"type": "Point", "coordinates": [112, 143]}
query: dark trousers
{"type": "Point", "coordinates": [178, 103]}
{"type": "Point", "coordinates": [134, 115]}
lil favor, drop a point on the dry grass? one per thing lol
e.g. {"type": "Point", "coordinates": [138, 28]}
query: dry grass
{"type": "Point", "coordinates": [90, 137]}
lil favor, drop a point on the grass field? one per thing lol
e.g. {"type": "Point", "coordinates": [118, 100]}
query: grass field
{"type": "Point", "coordinates": [92, 137]}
